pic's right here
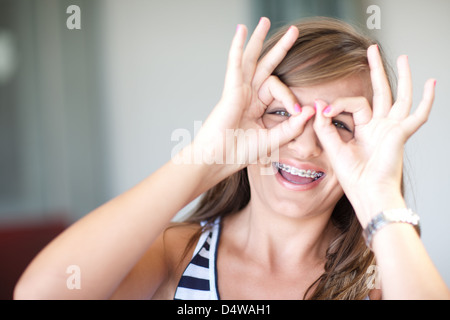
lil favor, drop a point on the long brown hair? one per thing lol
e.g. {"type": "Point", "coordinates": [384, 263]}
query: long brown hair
{"type": "Point", "coordinates": [326, 50]}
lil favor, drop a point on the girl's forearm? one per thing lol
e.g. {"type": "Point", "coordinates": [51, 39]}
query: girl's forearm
{"type": "Point", "coordinates": [405, 269]}
{"type": "Point", "coordinates": [109, 241]}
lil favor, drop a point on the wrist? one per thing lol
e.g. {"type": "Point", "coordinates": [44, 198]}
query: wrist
{"type": "Point", "coordinates": [368, 206]}
{"type": "Point", "coordinates": [384, 218]}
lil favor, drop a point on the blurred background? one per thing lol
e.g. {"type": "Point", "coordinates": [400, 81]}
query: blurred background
{"type": "Point", "coordinates": [87, 113]}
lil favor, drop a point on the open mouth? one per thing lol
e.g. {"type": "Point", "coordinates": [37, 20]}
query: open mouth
{"type": "Point", "coordinates": [298, 176]}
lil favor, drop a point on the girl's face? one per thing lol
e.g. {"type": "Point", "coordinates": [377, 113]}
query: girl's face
{"type": "Point", "coordinates": [303, 183]}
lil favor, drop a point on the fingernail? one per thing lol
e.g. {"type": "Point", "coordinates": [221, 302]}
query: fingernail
{"type": "Point", "coordinates": [297, 108]}
{"type": "Point", "coordinates": [327, 110]}
{"type": "Point", "coordinates": [434, 83]}
{"type": "Point", "coordinates": [238, 27]}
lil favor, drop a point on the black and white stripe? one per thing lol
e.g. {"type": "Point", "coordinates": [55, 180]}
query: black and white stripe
{"type": "Point", "coordinates": [198, 281]}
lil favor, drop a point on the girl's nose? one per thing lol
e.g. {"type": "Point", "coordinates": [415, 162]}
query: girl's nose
{"type": "Point", "coordinates": [306, 145]}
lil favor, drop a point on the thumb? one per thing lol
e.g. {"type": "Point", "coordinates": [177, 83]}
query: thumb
{"type": "Point", "coordinates": [292, 127]}
{"type": "Point", "coordinates": [326, 132]}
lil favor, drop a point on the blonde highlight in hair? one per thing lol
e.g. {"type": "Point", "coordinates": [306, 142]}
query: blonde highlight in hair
{"type": "Point", "coordinates": [326, 50]}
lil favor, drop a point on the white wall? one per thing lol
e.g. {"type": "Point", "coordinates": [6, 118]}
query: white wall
{"type": "Point", "coordinates": [164, 64]}
{"type": "Point", "coordinates": [421, 29]}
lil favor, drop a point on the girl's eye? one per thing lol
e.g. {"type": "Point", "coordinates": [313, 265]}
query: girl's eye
{"type": "Point", "coordinates": [274, 116]}
{"type": "Point", "coordinates": [341, 125]}
{"type": "Point", "coordinates": [282, 113]}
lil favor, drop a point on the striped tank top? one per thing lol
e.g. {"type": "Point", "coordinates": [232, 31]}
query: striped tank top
{"type": "Point", "coordinates": [199, 279]}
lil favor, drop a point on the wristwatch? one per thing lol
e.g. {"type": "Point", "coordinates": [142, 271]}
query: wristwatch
{"type": "Point", "coordinates": [386, 217]}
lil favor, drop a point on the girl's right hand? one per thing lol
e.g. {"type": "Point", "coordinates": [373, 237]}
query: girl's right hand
{"type": "Point", "coordinates": [249, 88]}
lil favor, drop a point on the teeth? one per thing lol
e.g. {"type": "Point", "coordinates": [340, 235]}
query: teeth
{"type": "Point", "coordinates": [299, 172]}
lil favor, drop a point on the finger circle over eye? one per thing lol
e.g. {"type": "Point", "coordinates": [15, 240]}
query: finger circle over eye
{"type": "Point", "coordinates": [359, 107]}
{"type": "Point", "coordinates": [274, 89]}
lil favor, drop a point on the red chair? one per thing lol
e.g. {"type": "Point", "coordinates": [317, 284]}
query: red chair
{"type": "Point", "coordinates": [19, 244]}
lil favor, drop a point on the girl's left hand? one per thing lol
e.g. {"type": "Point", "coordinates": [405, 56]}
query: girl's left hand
{"type": "Point", "coordinates": [369, 166]}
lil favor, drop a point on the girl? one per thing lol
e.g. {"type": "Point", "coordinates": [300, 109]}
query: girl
{"type": "Point", "coordinates": [306, 222]}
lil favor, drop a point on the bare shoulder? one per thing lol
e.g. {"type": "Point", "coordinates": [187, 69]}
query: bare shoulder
{"type": "Point", "coordinates": [179, 241]}
{"type": "Point", "coordinates": [156, 274]}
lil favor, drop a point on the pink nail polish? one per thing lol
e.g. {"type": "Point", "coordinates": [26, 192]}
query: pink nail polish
{"type": "Point", "coordinates": [434, 83]}
{"type": "Point", "coordinates": [238, 27]}
{"type": "Point", "coordinates": [297, 108]}
{"type": "Point", "coordinates": [327, 110]}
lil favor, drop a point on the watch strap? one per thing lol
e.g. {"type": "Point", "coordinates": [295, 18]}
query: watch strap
{"type": "Point", "coordinates": [402, 215]}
